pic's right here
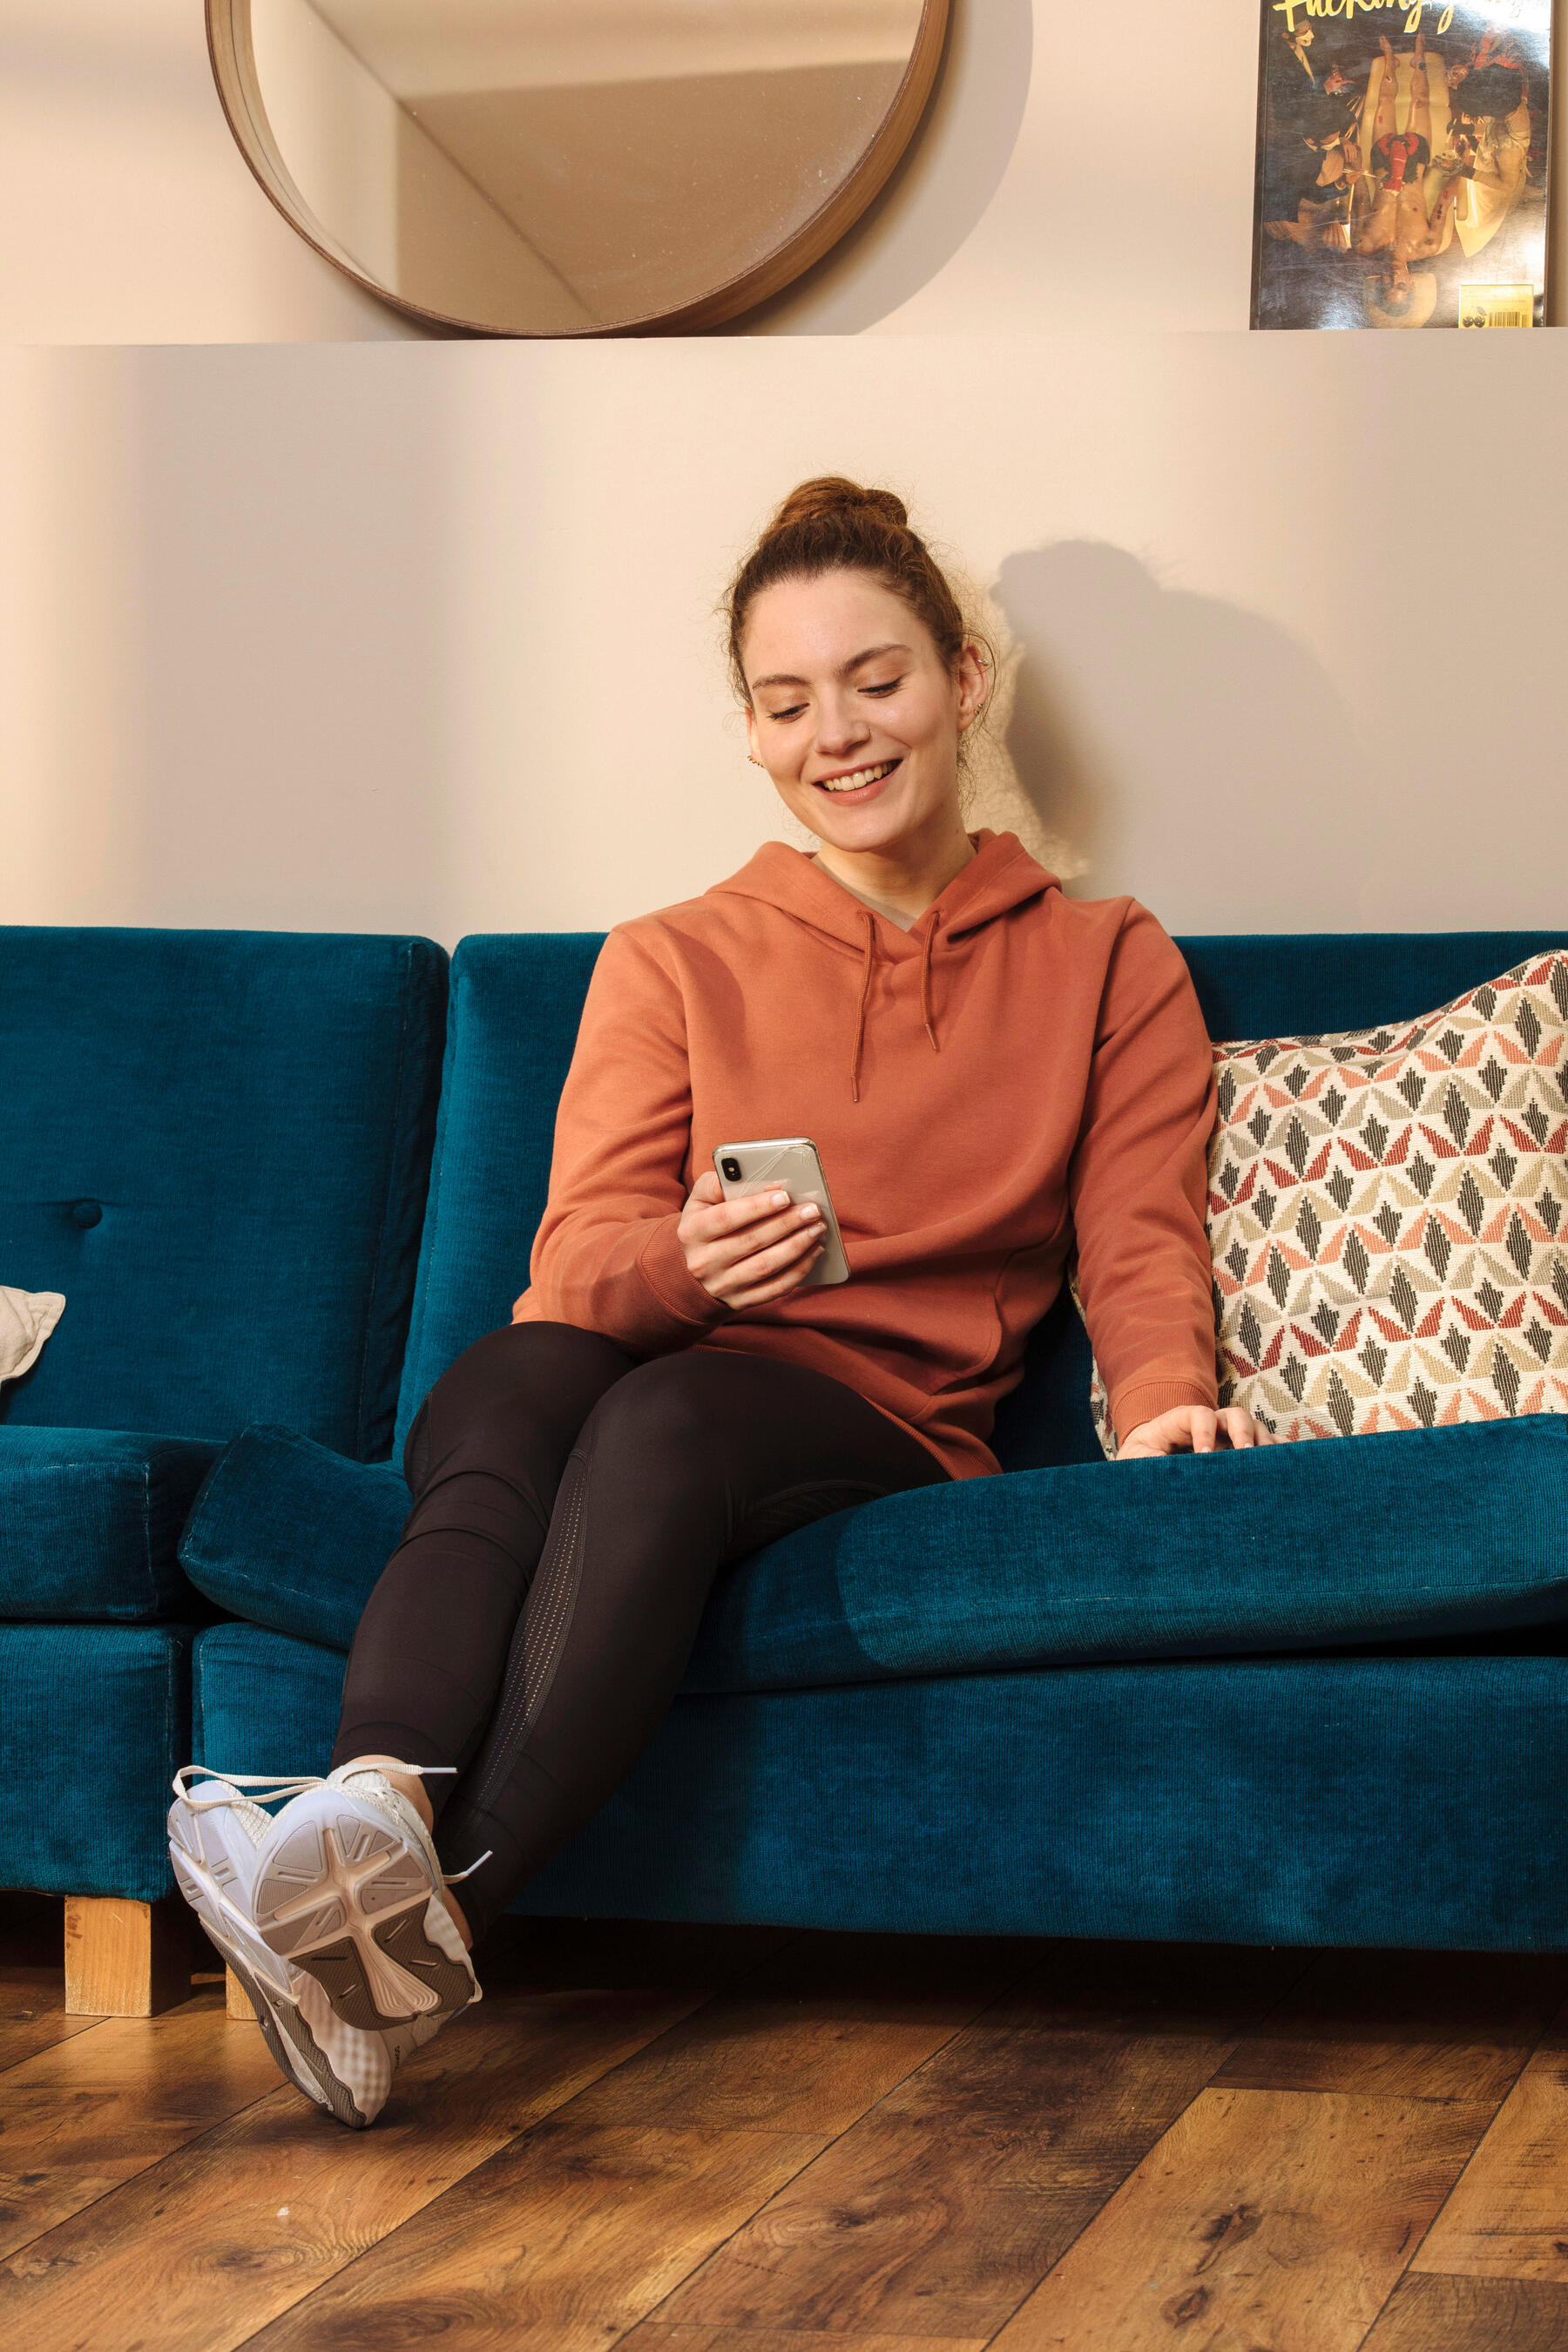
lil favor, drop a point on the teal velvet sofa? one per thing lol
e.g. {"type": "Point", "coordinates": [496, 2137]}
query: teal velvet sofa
{"type": "Point", "coordinates": [1314, 1693]}
{"type": "Point", "coordinates": [217, 1144]}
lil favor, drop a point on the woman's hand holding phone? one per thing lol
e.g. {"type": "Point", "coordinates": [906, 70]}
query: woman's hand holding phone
{"type": "Point", "coordinates": [750, 1251]}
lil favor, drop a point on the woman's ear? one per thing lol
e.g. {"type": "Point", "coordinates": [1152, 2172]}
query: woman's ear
{"type": "Point", "coordinates": [753, 749]}
{"type": "Point", "coordinates": [973, 685]}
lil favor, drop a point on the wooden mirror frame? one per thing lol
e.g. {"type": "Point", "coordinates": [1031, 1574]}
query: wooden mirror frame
{"type": "Point", "coordinates": [234, 70]}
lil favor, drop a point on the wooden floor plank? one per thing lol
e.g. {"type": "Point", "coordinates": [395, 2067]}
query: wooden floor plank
{"type": "Point", "coordinates": [682, 2140]}
{"type": "Point", "coordinates": [94, 2110]}
{"type": "Point", "coordinates": [1508, 2217]}
{"type": "Point", "coordinates": [61, 2151]}
{"type": "Point", "coordinates": [1277, 2218]}
{"type": "Point", "coordinates": [813, 2037]}
{"type": "Point", "coordinates": [238, 2225]}
{"type": "Point", "coordinates": [32, 1978]}
{"type": "Point", "coordinates": [1429, 2314]}
{"type": "Point", "coordinates": [766, 2071]}
{"type": "Point", "coordinates": [25, 2031]}
{"type": "Point", "coordinates": [568, 2238]}
{"type": "Point", "coordinates": [942, 2209]}
{"type": "Point", "coordinates": [654, 2335]}
{"type": "Point", "coordinates": [185, 2060]}
{"type": "Point", "coordinates": [1407, 2025]}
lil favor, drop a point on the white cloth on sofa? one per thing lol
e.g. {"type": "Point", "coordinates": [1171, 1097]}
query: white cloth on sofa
{"type": "Point", "coordinates": [26, 1319]}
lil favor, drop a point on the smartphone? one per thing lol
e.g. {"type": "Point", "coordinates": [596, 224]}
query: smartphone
{"type": "Point", "coordinates": [787, 1163]}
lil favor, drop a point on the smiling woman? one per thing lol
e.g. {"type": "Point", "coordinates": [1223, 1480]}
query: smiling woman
{"type": "Point", "coordinates": [863, 739]}
{"type": "Point", "coordinates": [996, 1079]}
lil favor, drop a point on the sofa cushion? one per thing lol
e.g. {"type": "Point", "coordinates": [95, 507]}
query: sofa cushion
{"type": "Point", "coordinates": [1395, 1799]}
{"type": "Point", "coordinates": [94, 1723]}
{"type": "Point", "coordinates": [90, 1521]}
{"type": "Point", "coordinates": [1397, 1538]}
{"type": "Point", "coordinates": [262, 1703]}
{"type": "Point", "coordinates": [1401, 1537]}
{"type": "Point", "coordinates": [288, 1535]}
{"type": "Point", "coordinates": [1409, 1800]}
{"type": "Point", "coordinates": [217, 1147]}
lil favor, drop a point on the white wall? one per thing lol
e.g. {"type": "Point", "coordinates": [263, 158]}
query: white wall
{"type": "Point", "coordinates": [1081, 167]}
{"type": "Point", "coordinates": [423, 637]}
{"type": "Point", "coordinates": [127, 213]}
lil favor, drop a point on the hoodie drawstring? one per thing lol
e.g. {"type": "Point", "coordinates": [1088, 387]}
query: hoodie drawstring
{"type": "Point", "coordinates": [927, 1014]}
{"type": "Point", "coordinates": [928, 1010]}
{"type": "Point", "coordinates": [865, 998]}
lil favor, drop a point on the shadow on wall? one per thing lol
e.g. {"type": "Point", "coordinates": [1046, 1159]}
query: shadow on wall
{"type": "Point", "coordinates": [941, 186]}
{"type": "Point", "coordinates": [1180, 748]}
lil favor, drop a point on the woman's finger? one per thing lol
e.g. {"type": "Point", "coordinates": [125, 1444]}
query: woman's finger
{"type": "Point", "coordinates": [761, 1266]}
{"type": "Point", "coordinates": [706, 1223]}
{"type": "Point", "coordinates": [735, 1249]}
{"type": "Point", "coordinates": [776, 1269]}
{"type": "Point", "coordinates": [785, 1283]}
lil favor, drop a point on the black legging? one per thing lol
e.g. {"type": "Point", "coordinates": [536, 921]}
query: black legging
{"type": "Point", "coordinates": [627, 1485]}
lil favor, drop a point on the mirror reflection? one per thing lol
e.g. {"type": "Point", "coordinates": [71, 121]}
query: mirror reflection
{"type": "Point", "coordinates": [557, 166]}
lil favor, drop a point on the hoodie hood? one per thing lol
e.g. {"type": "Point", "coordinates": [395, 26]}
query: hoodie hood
{"type": "Point", "coordinates": [1000, 876]}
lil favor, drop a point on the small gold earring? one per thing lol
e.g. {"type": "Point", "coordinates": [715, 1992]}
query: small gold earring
{"type": "Point", "coordinates": [754, 759]}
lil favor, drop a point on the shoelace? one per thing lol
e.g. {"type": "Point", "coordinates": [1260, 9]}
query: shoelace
{"type": "Point", "coordinates": [278, 1785]}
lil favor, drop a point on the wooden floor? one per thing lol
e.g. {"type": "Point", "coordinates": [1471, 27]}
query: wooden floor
{"type": "Point", "coordinates": [693, 2140]}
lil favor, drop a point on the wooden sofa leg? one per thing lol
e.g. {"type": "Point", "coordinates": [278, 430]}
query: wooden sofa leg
{"type": "Point", "coordinates": [236, 2000]}
{"type": "Point", "coordinates": [125, 1959]}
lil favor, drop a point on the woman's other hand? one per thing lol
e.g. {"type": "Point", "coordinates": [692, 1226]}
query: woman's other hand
{"type": "Point", "coordinates": [1193, 1429]}
{"type": "Point", "coordinates": [750, 1251]}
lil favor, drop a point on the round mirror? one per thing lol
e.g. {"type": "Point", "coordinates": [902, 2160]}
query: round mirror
{"type": "Point", "coordinates": [574, 167]}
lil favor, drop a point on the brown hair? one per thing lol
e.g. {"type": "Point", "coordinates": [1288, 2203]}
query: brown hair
{"type": "Point", "coordinates": [833, 525]}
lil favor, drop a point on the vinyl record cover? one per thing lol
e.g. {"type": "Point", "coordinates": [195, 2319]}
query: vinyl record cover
{"type": "Point", "coordinates": [1402, 163]}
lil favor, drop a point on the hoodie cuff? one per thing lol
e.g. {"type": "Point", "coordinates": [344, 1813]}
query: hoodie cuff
{"type": "Point", "coordinates": [1145, 1400]}
{"type": "Point", "coordinates": [689, 1309]}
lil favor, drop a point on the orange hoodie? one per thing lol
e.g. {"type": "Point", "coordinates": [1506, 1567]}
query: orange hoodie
{"type": "Point", "coordinates": [1019, 1073]}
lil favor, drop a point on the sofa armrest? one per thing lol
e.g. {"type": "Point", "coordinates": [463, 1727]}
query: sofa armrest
{"type": "Point", "coordinates": [89, 1522]}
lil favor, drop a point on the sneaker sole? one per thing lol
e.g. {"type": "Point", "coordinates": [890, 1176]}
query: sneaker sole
{"type": "Point", "coordinates": [203, 1869]}
{"type": "Point", "coordinates": [297, 2054]}
{"type": "Point", "coordinates": [345, 1898]}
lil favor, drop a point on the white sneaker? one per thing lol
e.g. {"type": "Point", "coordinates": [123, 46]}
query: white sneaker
{"type": "Point", "coordinates": [349, 1888]}
{"type": "Point", "coordinates": [215, 1837]}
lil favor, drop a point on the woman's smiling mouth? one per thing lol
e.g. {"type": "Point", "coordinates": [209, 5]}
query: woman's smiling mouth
{"type": "Point", "coordinates": [856, 782]}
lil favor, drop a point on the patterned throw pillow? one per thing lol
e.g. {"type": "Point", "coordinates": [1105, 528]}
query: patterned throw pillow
{"type": "Point", "coordinates": [1388, 1216]}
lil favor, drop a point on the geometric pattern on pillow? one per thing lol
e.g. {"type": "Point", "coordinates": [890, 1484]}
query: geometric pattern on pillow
{"type": "Point", "coordinates": [1387, 1214]}
{"type": "Point", "coordinates": [1388, 1217]}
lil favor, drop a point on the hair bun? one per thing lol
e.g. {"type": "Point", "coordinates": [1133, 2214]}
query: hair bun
{"type": "Point", "coordinates": [832, 494]}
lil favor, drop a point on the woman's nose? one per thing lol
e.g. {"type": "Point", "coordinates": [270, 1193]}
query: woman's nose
{"type": "Point", "coordinates": [839, 729]}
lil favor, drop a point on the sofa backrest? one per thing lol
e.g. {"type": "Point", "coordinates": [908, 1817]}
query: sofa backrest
{"type": "Point", "coordinates": [515, 1006]}
{"type": "Point", "coordinates": [516, 1001]}
{"type": "Point", "coordinates": [216, 1146]}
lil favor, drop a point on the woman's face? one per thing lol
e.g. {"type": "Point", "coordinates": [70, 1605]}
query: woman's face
{"type": "Point", "coordinates": [853, 712]}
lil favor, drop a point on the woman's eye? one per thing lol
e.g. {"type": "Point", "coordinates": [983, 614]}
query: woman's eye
{"type": "Point", "coordinates": [778, 717]}
{"type": "Point", "coordinates": [887, 685]}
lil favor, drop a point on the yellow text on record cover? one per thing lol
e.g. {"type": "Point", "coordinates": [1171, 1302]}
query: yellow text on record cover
{"type": "Point", "coordinates": [1402, 163]}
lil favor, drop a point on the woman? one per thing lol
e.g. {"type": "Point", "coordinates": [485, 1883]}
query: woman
{"type": "Point", "coordinates": [991, 1072]}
